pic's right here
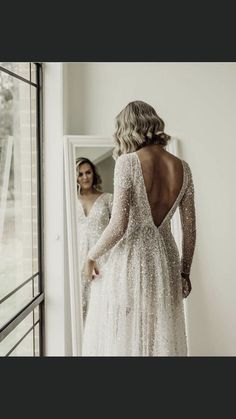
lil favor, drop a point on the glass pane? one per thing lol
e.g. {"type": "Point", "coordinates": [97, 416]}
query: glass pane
{"type": "Point", "coordinates": [29, 346]}
{"type": "Point", "coordinates": [17, 301]}
{"type": "Point", "coordinates": [36, 287]}
{"type": "Point", "coordinates": [36, 314]}
{"type": "Point", "coordinates": [26, 345]}
{"type": "Point", "coordinates": [33, 72]}
{"type": "Point", "coordinates": [18, 188]}
{"type": "Point", "coordinates": [34, 190]}
{"type": "Point", "coordinates": [21, 69]}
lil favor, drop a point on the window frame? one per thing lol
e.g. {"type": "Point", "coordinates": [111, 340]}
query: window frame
{"type": "Point", "coordinates": [38, 300]}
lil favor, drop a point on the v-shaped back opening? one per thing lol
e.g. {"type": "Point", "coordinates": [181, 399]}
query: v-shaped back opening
{"type": "Point", "coordinates": [146, 194]}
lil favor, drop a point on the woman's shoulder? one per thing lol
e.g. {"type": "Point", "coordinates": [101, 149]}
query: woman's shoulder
{"type": "Point", "coordinates": [186, 165]}
{"type": "Point", "coordinates": [125, 156]}
{"type": "Point", "coordinates": [107, 199]}
{"type": "Point", "coordinates": [107, 195]}
{"type": "Point", "coordinates": [188, 172]}
{"type": "Point", "coordinates": [124, 162]}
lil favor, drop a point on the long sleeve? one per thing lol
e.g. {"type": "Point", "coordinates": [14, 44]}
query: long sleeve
{"type": "Point", "coordinates": [120, 209]}
{"type": "Point", "coordinates": [110, 204]}
{"type": "Point", "coordinates": [188, 221]}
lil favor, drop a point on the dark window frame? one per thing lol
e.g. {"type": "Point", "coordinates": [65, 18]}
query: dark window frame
{"type": "Point", "coordinates": [38, 300]}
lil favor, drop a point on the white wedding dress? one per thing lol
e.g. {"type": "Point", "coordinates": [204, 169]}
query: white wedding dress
{"type": "Point", "coordinates": [136, 306]}
{"type": "Point", "coordinates": [90, 228]}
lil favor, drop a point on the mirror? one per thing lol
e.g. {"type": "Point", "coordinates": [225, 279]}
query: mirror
{"type": "Point", "coordinates": [89, 193]}
{"type": "Point", "coordinates": [88, 208]}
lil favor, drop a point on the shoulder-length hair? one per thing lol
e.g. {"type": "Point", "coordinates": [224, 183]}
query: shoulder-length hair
{"type": "Point", "coordinates": [97, 180]}
{"type": "Point", "coordinates": [138, 125]}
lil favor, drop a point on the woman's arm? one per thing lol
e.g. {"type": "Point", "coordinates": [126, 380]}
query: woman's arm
{"type": "Point", "coordinates": [188, 221]}
{"type": "Point", "coordinates": [120, 210]}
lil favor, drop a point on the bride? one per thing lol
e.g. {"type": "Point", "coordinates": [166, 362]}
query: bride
{"type": "Point", "coordinates": [93, 215]}
{"type": "Point", "coordinates": [136, 307]}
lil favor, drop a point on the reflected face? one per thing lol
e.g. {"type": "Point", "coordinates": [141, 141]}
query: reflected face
{"type": "Point", "coordinates": [85, 177]}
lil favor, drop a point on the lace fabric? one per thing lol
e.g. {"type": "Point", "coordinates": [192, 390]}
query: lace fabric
{"type": "Point", "coordinates": [120, 214]}
{"type": "Point", "coordinates": [188, 222]}
{"type": "Point", "coordinates": [90, 228]}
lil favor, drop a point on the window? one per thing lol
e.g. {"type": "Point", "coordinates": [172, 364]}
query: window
{"type": "Point", "coordinates": [21, 282]}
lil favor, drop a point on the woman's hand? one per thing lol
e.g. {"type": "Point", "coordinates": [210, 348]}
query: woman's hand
{"type": "Point", "coordinates": [91, 269]}
{"type": "Point", "coordinates": [186, 285]}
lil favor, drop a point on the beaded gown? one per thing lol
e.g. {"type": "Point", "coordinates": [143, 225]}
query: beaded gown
{"type": "Point", "coordinates": [90, 228]}
{"type": "Point", "coordinates": [136, 306]}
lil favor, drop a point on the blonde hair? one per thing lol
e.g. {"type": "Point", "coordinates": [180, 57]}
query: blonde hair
{"type": "Point", "coordinates": [97, 180]}
{"type": "Point", "coordinates": [138, 125]}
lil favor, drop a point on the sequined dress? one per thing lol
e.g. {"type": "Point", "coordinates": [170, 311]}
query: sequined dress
{"type": "Point", "coordinates": [90, 228]}
{"type": "Point", "coordinates": [136, 307]}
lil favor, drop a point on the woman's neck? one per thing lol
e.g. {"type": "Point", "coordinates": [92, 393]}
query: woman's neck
{"type": "Point", "coordinates": [87, 192]}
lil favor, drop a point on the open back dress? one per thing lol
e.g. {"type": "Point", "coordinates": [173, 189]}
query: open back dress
{"type": "Point", "coordinates": [136, 304]}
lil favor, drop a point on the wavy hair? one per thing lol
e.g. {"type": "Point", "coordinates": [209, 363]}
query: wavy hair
{"type": "Point", "coordinates": [97, 180]}
{"type": "Point", "coordinates": [138, 125]}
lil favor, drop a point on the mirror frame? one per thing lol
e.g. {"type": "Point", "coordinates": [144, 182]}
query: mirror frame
{"type": "Point", "coordinates": [71, 142]}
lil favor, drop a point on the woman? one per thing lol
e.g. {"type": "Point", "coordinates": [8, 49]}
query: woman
{"type": "Point", "coordinates": [94, 213]}
{"type": "Point", "coordinates": [140, 312]}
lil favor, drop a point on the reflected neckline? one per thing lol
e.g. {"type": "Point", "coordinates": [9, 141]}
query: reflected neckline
{"type": "Point", "coordinates": [86, 216]}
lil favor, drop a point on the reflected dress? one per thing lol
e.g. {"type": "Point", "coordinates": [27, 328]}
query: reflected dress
{"type": "Point", "coordinates": [136, 308]}
{"type": "Point", "coordinates": [90, 228]}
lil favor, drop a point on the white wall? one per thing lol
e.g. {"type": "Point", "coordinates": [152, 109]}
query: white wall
{"type": "Point", "coordinates": [198, 103]}
{"type": "Point", "coordinates": [56, 294]}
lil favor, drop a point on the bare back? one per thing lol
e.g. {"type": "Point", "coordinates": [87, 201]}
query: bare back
{"type": "Point", "coordinates": [163, 177]}
{"type": "Point", "coordinates": [149, 185]}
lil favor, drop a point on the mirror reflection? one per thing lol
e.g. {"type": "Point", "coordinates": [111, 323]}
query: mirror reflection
{"type": "Point", "coordinates": [94, 175]}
